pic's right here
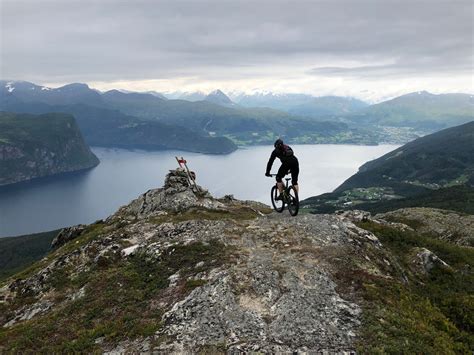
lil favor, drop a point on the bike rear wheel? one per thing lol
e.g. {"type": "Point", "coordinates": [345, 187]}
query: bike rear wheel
{"type": "Point", "coordinates": [278, 205]}
{"type": "Point", "coordinates": [293, 201]}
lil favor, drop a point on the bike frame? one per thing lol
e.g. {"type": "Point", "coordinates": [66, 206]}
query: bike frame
{"type": "Point", "coordinates": [287, 198]}
{"type": "Point", "coordinates": [285, 186]}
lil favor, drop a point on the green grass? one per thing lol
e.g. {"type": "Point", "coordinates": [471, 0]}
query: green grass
{"type": "Point", "coordinates": [431, 314]}
{"type": "Point", "coordinates": [239, 213]}
{"type": "Point", "coordinates": [401, 321]}
{"type": "Point", "coordinates": [91, 232]}
{"type": "Point", "coordinates": [455, 198]}
{"type": "Point", "coordinates": [17, 253]}
{"type": "Point", "coordinates": [123, 300]}
{"type": "Point", "coordinates": [402, 242]}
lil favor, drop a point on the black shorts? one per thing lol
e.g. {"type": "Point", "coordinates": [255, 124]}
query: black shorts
{"type": "Point", "coordinates": [291, 166]}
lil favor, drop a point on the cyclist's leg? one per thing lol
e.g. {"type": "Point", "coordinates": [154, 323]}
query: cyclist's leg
{"type": "Point", "coordinates": [280, 175]}
{"type": "Point", "coordinates": [295, 170]}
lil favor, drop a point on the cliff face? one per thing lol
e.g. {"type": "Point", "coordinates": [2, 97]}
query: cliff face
{"type": "Point", "coordinates": [36, 146]}
{"type": "Point", "coordinates": [180, 271]}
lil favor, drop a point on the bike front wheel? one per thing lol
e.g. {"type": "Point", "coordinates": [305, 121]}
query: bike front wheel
{"type": "Point", "coordinates": [293, 201]}
{"type": "Point", "coordinates": [278, 205]}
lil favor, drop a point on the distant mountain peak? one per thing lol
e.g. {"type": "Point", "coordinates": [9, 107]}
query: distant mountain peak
{"type": "Point", "coordinates": [12, 85]}
{"type": "Point", "coordinates": [217, 92]}
{"type": "Point", "coordinates": [74, 86]}
{"type": "Point", "coordinates": [218, 97]}
{"type": "Point", "coordinates": [116, 92]}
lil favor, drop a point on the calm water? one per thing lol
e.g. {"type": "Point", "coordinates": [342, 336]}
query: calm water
{"type": "Point", "coordinates": [122, 175]}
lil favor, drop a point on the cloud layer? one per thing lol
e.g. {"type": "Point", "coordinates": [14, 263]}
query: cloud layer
{"type": "Point", "coordinates": [334, 46]}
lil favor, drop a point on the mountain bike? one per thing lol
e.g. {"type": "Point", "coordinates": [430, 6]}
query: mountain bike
{"type": "Point", "coordinates": [289, 197]}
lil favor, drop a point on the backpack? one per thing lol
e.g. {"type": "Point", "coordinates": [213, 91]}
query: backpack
{"type": "Point", "coordinates": [287, 151]}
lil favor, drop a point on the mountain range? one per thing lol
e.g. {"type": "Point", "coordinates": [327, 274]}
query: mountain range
{"type": "Point", "coordinates": [302, 104]}
{"type": "Point", "coordinates": [247, 125]}
{"type": "Point", "coordinates": [421, 110]}
{"type": "Point", "coordinates": [212, 122]}
{"type": "Point", "coordinates": [307, 119]}
{"type": "Point", "coordinates": [103, 125]}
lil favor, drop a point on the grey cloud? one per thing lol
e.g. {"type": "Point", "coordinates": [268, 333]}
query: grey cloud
{"type": "Point", "coordinates": [131, 40]}
{"type": "Point", "coordinates": [419, 67]}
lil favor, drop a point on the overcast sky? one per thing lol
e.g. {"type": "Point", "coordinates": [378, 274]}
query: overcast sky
{"type": "Point", "coordinates": [372, 49]}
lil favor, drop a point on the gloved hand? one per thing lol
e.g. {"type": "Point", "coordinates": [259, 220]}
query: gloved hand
{"type": "Point", "coordinates": [268, 174]}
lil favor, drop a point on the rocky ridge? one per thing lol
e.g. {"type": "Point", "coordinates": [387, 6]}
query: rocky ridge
{"type": "Point", "coordinates": [178, 270]}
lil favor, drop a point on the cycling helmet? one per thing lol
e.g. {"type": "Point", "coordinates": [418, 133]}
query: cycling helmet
{"type": "Point", "coordinates": [278, 143]}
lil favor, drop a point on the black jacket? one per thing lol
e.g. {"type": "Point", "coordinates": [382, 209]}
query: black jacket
{"type": "Point", "coordinates": [277, 153]}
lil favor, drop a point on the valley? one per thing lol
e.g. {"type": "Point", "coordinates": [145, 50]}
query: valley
{"type": "Point", "coordinates": [436, 170]}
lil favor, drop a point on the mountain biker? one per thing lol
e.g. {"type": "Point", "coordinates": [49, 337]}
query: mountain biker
{"type": "Point", "coordinates": [289, 164]}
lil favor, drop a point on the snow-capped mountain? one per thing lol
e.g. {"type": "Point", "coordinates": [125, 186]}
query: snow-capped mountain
{"type": "Point", "coordinates": [64, 95]}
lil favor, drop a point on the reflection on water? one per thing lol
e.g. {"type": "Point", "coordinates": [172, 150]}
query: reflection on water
{"type": "Point", "coordinates": [122, 175]}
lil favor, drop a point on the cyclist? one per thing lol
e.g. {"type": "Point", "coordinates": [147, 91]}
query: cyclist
{"type": "Point", "coordinates": [289, 164]}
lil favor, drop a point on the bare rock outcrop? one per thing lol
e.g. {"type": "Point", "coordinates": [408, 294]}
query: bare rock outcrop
{"type": "Point", "coordinates": [425, 260]}
{"type": "Point", "coordinates": [176, 195]}
{"type": "Point", "coordinates": [206, 274]}
{"type": "Point", "coordinates": [67, 234]}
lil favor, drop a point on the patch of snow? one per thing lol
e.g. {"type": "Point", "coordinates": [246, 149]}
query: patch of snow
{"type": "Point", "coordinates": [45, 88]}
{"type": "Point", "coordinates": [9, 86]}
